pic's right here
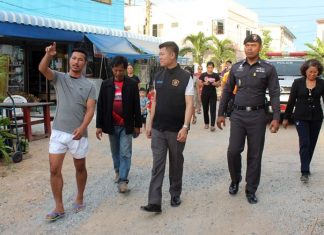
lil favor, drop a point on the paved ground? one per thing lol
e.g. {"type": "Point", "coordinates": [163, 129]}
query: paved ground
{"type": "Point", "coordinates": [286, 206]}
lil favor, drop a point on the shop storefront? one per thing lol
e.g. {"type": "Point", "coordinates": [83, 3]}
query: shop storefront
{"type": "Point", "coordinates": [23, 39]}
{"type": "Point", "coordinates": [19, 60]}
{"type": "Point", "coordinates": [11, 69]}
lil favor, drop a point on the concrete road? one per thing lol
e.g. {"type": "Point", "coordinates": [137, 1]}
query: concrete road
{"type": "Point", "coordinates": [286, 206]}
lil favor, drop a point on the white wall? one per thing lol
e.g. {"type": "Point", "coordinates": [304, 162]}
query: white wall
{"type": "Point", "coordinates": [281, 39]}
{"type": "Point", "coordinates": [320, 29]}
{"type": "Point", "coordinates": [193, 18]}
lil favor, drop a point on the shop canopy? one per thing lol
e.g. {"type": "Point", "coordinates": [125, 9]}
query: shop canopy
{"type": "Point", "coordinates": [32, 32]}
{"type": "Point", "coordinates": [145, 46]}
{"type": "Point", "coordinates": [111, 46]}
{"type": "Point", "coordinates": [29, 26]}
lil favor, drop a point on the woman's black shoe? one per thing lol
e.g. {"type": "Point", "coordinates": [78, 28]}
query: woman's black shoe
{"type": "Point", "coordinates": [175, 201]}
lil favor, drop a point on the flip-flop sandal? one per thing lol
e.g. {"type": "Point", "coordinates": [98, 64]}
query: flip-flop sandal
{"type": "Point", "coordinates": [77, 207]}
{"type": "Point", "coordinates": [53, 216]}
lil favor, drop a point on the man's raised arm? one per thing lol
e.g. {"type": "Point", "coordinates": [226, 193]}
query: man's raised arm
{"type": "Point", "coordinates": [43, 65]}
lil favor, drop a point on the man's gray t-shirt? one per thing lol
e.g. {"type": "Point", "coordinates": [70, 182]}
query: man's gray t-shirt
{"type": "Point", "coordinates": [72, 95]}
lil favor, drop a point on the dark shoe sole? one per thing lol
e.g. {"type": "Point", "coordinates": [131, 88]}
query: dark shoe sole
{"type": "Point", "coordinates": [175, 205]}
{"type": "Point", "coordinates": [176, 202]}
{"type": "Point", "coordinates": [233, 192]}
{"type": "Point", "coordinates": [252, 199]}
{"type": "Point", "coordinates": [143, 208]}
{"type": "Point", "coordinates": [304, 179]}
{"type": "Point", "coordinates": [238, 185]}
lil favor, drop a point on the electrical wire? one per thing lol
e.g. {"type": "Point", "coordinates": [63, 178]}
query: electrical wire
{"type": "Point", "coordinates": [285, 8]}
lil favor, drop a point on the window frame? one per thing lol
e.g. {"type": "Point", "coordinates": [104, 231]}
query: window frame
{"type": "Point", "coordinates": [218, 26]}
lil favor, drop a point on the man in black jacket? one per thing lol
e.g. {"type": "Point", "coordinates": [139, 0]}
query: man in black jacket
{"type": "Point", "coordinates": [119, 116]}
{"type": "Point", "coordinates": [171, 111]}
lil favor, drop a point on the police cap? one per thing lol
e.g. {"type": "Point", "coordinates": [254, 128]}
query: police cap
{"type": "Point", "coordinates": [253, 38]}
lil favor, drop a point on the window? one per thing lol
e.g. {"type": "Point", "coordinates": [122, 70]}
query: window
{"type": "Point", "coordinates": [157, 30]}
{"type": "Point", "coordinates": [200, 23]}
{"type": "Point", "coordinates": [104, 1]}
{"type": "Point", "coordinates": [154, 30]}
{"type": "Point", "coordinates": [218, 26]}
{"type": "Point", "coordinates": [248, 32]}
{"type": "Point", "coordinates": [174, 25]}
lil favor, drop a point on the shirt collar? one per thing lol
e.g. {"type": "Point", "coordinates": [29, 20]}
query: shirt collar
{"type": "Point", "coordinates": [245, 62]}
{"type": "Point", "coordinates": [173, 69]}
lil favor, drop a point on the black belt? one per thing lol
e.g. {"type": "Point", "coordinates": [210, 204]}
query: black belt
{"type": "Point", "coordinates": [249, 108]}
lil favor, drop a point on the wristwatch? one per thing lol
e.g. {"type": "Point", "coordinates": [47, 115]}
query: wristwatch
{"type": "Point", "coordinates": [186, 127]}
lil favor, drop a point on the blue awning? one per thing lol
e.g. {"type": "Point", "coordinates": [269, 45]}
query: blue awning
{"type": "Point", "coordinates": [27, 31]}
{"type": "Point", "coordinates": [145, 46]}
{"type": "Point", "coordinates": [111, 46]}
{"type": "Point", "coordinates": [15, 18]}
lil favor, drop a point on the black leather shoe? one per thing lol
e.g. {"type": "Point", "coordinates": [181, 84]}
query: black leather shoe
{"type": "Point", "coordinates": [152, 208]}
{"type": "Point", "coordinates": [175, 201]}
{"type": "Point", "coordinates": [234, 187]}
{"type": "Point", "coordinates": [251, 198]}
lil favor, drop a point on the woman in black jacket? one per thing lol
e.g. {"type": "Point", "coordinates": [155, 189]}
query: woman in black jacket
{"type": "Point", "coordinates": [305, 96]}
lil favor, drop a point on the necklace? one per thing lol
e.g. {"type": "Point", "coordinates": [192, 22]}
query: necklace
{"type": "Point", "coordinates": [310, 84]}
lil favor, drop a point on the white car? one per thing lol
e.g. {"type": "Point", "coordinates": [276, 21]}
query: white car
{"type": "Point", "coordinates": [288, 69]}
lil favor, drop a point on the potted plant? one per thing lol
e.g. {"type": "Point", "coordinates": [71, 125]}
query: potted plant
{"type": "Point", "coordinates": [5, 138]}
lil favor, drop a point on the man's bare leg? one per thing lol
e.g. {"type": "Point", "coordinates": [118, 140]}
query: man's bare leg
{"type": "Point", "coordinates": [81, 178]}
{"type": "Point", "coordinates": [56, 163]}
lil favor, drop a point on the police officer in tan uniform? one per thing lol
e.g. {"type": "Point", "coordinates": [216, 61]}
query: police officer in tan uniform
{"type": "Point", "coordinates": [252, 76]}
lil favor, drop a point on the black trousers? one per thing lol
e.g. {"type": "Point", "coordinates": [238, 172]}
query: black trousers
{"type": "Point", "coordinates": [208, 100]}
{"type": "Point", "coordinates": [162, 143]}
{"type": "Point", "coordinates": [251, 126]}
{"type": "Point", "coordinates": [308, 132]}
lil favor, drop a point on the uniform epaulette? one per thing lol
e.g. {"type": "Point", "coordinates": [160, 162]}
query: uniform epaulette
{"type": "Point", "coordinates": [240, 62]}
{"type": "Point", "coordinates": [267, 62]}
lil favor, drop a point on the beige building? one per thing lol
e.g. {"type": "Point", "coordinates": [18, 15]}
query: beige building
{"type": "Point", "coordinates": [282, 38]}
{"type": "Point", "coordinates": [320, 29]}
{"type": "Point", "coordinates": [174, 21]}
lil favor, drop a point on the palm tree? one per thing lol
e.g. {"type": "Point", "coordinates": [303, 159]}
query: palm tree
{"type": "Point", "coordinates": [317, 50]}
{"type": "Point", "coordinates": [222, 50]}
{"type": "Point", "coordinates": [266, 41]}
{"type": "Point", "coordinates": [198, 48]}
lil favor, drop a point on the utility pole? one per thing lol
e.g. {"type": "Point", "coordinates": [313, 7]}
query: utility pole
{"type": "Point", "coordinates": [148, 17]}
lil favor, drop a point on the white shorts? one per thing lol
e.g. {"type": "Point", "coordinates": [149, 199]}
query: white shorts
{"type": "Point", "coordinates": [61, 142]}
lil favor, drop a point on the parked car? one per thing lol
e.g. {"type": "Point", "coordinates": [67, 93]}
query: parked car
{"type": "Point", "coordinates": [288, 69]}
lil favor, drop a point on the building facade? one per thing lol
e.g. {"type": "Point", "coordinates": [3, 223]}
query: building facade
{"type": "Point", "coordinates": [282, 38]}
{"type": "Point", "coordinates": [106, 13]}
{"type": "Point", "coordinates": [320, 29]}
{"type": "Point", "coordinates": [27, 27]}
{"type": "Point", "coordinates": [226, 19]}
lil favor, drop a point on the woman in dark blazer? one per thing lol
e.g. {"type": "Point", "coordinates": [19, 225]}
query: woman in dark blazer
{"type": "Point", "coordinates": [305, 96]}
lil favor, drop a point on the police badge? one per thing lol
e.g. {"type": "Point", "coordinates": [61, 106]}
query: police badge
{"type": "Point", "coordinates": [175, 82]}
